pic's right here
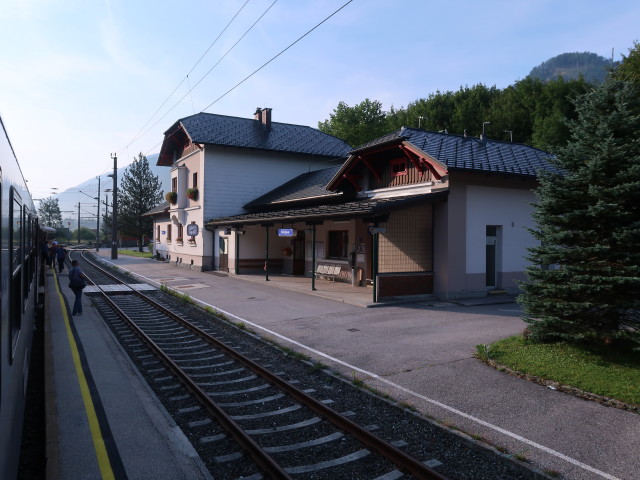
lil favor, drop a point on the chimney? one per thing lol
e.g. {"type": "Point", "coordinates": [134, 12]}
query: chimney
{"type": "Point", "coordinates": [263, 115]}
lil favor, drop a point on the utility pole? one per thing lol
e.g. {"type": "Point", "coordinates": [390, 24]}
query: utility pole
{"type": "Point", "coordinates": [114, 209]}
{"type": "Point", "coordinates": [98, 226]}
{"type": "Point", "coordinates": [78, 223]}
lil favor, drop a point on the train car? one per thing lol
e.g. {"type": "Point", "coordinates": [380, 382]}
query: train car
{"type": "Point", "coordinates": [19, 269]}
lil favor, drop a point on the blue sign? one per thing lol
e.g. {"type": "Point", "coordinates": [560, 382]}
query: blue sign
{"type": "Point", "coordinates": [287, 232]}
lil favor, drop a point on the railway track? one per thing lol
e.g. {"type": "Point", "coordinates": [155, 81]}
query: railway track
{"type": "Point", "coordinates": [245, 416]}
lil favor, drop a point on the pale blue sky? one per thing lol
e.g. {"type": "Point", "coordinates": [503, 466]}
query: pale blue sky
{"type": "Point", "coordinates": [81, 78]}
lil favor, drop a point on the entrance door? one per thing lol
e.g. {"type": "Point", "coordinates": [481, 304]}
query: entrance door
{"type": "Point", "coordinates": [223, 243]}
{"type": "Point", "coordinates": [298, 254]}
{"type": "Point", "coordinates": [492, 256]}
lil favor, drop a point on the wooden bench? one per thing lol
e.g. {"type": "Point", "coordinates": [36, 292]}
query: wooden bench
{"type": "Point", "coordinates": [324, 270]}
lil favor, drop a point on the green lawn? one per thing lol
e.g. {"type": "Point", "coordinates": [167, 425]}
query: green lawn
{"type": "Point", "coordinates": [610, 374]}
{"type": "Point", "coordinates": [136, 253]}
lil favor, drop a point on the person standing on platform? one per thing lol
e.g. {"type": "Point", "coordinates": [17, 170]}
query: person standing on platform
{"type": "Point", "coordinates": [44, 253]}
{"type": "Point", "coordinates": [77, 281]}
{"type": "Point", "coordinates": [61, 253]}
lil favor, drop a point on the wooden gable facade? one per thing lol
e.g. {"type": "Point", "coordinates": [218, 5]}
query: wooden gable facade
{"type": "Point", "coordinates": [404, 250]}
{"type": "Point", "coordinates": [177, 144]}
{"type": "Point", "coordinates": [394, 164]}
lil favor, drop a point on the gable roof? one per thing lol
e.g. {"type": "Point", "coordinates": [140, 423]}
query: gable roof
{"type": "Point", "coordinates": [160, 209]}
{"type": "Point", "coordinates": [249, 133]}
{"type": "Point", "coordinates": [456, 152]}
{"type": "Point", "coordinates": [311, 185]}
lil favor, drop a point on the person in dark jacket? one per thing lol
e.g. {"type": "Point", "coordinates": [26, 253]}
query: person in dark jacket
{"type": "Point", "coordinates": [61, 253]}
{"type": "Point", "coordinates": [44, 253]}
{"type": "Point", "coordinates": [51, 262]}
{"type": "Point", "coordinates": [77, 281]}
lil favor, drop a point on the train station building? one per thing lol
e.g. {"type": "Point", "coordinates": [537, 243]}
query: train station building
{"type": "Point", "coordinates": [410, 213]}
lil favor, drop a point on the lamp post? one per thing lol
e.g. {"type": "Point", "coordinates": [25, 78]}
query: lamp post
{"type": "Point", "coordinates": [98, 219]}
{"type": "Point", "coordinates": [114, 217]}
{"type": "Point", "coordinates": [510, 132]}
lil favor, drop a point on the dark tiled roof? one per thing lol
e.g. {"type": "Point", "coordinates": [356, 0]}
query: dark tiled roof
{"type": "Point", "coordinates": [213, 129]}
{"type": "Point", "coordinates": [305, 186]}
{"type": "Point", "coordinates": [358, 208]}
{"type": "Point", "coordinates": [162, 208]}
{"type": "Point", "coordinates": [467, 153]}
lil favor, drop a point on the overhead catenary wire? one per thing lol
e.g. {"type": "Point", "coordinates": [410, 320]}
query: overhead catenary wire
{"type": "Point", "coordinates": [251, 74]}
{"type": "Point", "coordinates": [211, 69]}
{"type": "Point", "coordinates": [142, 131]}
{"type": "Point", "coordinates": [274, 57]}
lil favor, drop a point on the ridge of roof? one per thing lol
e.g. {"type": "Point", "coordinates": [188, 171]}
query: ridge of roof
{"type": "Point", "coordinates": [228, 131]}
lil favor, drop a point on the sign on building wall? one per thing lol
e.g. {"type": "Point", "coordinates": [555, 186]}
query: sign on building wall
{"type": "Point", "coordinates": [287, 232]}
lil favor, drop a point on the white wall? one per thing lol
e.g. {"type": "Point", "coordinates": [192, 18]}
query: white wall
{"type": "Point", "coordinates": [505, 207]}
{"type": "Point", "coordinates": [235, 177]}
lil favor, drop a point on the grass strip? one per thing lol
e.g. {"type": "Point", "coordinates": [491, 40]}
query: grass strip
{"type": "Point", "coordinates": [613, 374]}
{"type": "Point", "coordinates": [136, 253]}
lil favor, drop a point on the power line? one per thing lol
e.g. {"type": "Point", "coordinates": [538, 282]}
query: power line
{"type": "Point", "coordinates": [274, 57]}
{"type": "Point", "coordinates": [210, 70]}
{"type": "Point", "coordinates": [251, 74]}
{"type": "Point", "coordinates": [140, 133]}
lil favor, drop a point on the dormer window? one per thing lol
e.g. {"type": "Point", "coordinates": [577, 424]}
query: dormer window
{"type": "Point", "coordinates": [398, 167]}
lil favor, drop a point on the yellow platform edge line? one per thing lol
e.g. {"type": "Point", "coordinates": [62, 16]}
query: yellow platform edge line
{"type": "Point", "coordinates": [96, 434]}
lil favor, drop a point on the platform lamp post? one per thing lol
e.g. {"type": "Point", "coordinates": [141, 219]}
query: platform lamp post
{"type": "Point", "coordinates": [114, 208]}
{"type": "Point", "coordinates": [106, 204]}
{"type": "Point", "coordinates": [98, 219]}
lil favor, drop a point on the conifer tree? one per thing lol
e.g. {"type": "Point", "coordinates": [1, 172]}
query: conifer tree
{"type": "Point", "coordinates": [139, 192]}
{"type": "Point", "coordinates": [584, 281]}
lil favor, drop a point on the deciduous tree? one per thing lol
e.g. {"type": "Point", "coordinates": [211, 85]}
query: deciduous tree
{"type": "Point", "coordinates": [356, 125]}
{"type": "Point", "coordinates": [49, 212]}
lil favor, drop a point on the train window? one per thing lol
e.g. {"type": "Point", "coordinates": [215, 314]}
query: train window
{"type": "Point", "coordinates": [16, 242]}
{"type": "Point", "coordinates": [16, 233]}
{"type": "Point", "coordinates": [26, 252]}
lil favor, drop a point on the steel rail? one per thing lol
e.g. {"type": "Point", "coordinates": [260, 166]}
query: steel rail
{"type": "Point", "coordinates": [403, 461]}
{"type": "Point", "coordinates": [262, 459]}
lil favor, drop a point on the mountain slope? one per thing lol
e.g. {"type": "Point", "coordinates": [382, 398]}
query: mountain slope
{"type": "Point", "coordinates": [570, 66]}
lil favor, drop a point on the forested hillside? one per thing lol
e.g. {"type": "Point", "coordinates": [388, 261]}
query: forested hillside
{"type": "Point", "coordinates": [570, 66]}
{"type": "Point", "coordinates": [531, 111]}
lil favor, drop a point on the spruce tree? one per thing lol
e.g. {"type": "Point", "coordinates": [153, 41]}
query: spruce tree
{"type": "Point", "coordinates": [139, 192]}
{"type": "Point", "coordinates": [584, 278]}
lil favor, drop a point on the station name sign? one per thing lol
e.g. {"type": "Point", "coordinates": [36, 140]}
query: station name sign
{"type": "Point", "coordinates": [373, 230]}
{"type": "Point", "coordinates": [287, 232]}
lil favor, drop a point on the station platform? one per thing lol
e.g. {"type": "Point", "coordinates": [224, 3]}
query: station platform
{"type": "Point", "coordinates": [102, 421]}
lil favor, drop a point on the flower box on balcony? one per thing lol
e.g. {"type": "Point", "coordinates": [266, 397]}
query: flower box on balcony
{"type": "Point", "coordinates": [171, 197]}
{"type": "Point", "coordinates": [192, 193]}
